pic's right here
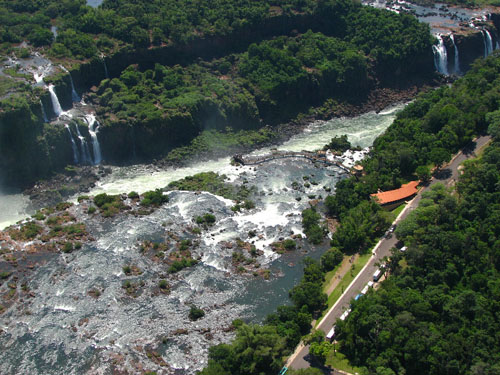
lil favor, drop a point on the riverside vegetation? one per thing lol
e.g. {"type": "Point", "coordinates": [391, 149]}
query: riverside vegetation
{"type": "Point", "coordinates": [152, 109]}
{"type": "Point", "coordinates": [447, 294]}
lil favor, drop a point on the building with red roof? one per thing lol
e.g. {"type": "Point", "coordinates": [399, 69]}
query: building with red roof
{"type": "Point", "coordinates": [393, 198]}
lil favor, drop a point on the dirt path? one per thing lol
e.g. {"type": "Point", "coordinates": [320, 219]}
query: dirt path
{"type": "Point", "coordinates": [344, 268]}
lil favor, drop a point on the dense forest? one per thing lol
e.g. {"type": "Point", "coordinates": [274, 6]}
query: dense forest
{"type": "Point", "coordinates": [180, 68]}
{"type": "Point", "coordinates": [439, 312]}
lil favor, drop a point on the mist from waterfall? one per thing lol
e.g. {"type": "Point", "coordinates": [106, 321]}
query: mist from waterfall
{"type": "Point", "coordinates": [457, 59]}
{"type": "Point", "coordinates": [44, 114]}
{"type": "Point", "coordinates": [55, 101]}
{"type": "Point", "coordinates": [488, 42]}
{"type": "Point", "coordinates": [73, 144]}
{"type": "Point", "coordinates": [93, 129]}
{"type": "Point", "coordinates": [440, 56]}
{"type": "Point", "coordinates": [85, 152]}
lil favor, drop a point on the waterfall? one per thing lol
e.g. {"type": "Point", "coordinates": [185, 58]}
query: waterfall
{"type": "Point", "coordinates": [74, 95]}
{"type": "Point", "coordinates": [86, 159]}
{"type": "Point", "coordinates": [105, 67]}
{"type": "Point", "coordinates": [440, 56]}
{"type": "Point", "coordinates": [55, 102]}
{"type": "Point", "coordinates": [96, 148]}
{"type": "Point", "coordinates": [44, 114]}
{"type": "Point", "coordinates": [73, 144]}
{"type": "Point", "coordinates": [457, 61]}
{"type": "Point", "coordinates": [488, 42]}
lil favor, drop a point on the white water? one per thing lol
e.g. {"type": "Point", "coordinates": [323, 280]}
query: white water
{"type": "Point", "coordinates": [74, 95]}
{"type": "Point", "coordinates": [44, 114]}
{"type": "Point", "coordinates": [14, 207]}
{"type": "Point", "coordinates": [457, 59]}
{"type": "Point", "coordinates": [55, 101]}
{"type": "Point", "coordinates": [105, 67]}
{"type": "Point", "coordinates": [361, 131]}
{"type": "Point", "coordinates": [85, 152]}
{"type": "Point", "coordinates": [488, 42]}
{"type": "Point", "coordinates": [96, 148]}
{"type": "Point", "coordinates": [440, 56]}
{"type": "Point", "coordinates": [73, 144]}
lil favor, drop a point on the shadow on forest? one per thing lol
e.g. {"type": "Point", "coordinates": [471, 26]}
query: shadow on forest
{"type": "Point", "coordinates": [443, 174]}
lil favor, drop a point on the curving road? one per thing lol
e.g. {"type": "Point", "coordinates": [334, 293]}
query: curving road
{"type": "Point", "coordinates": [447, 175]}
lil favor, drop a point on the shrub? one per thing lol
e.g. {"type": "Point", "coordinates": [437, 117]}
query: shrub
{"type": "Point", "coordinates": [289, 244]}
{"type": "Point", "coordinates": [331, 259]}
{"type": "Point", "coordinates": [101, 199]}
{"type": "Point", "coordinates": [196, 313]}
{"type": "Point", "coordinates": [133, 195]}
{"type": "Point", "coordinates": [68, 247]}
{"type": "Point", "coordinates": [154, 198]}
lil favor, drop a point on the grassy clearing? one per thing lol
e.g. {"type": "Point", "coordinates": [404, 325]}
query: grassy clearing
{"type": "Point", "coordinates": [329, 276]}
{"type": "Point", "coordinates": [346, 280]}
{"type": "Point", "coordinates": [398, 210]}
{"type": "Point", "coordinates": [338, 361]}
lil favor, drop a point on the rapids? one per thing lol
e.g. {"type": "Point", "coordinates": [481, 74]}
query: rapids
{"type": "Point", "coordinates": [64, 330]}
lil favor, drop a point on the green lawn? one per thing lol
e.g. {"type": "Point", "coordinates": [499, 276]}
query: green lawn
{"type": "Point", "coordinates": [338, 361]}
{"type": "Point", "coordinates": [346, 280]}
{"type": "Point", "coordinates": [398, 210]}
{"type": "Point", "coordinates": [329, 275]}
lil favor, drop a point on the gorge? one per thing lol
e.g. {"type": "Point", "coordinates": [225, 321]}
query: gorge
{"type": "Point", "coordinates": [115, 116]}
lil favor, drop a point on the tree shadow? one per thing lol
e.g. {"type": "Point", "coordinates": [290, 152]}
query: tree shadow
{"type": "Point", "coordinates": [443, 174]}
{"type": "Point", "coordinates": [324, 369]}
{"type": "Point", "coordinates": [469, 148]}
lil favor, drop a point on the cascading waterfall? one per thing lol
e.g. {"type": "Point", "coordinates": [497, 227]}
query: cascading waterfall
{"type": "Point", "coordinates": [457, 61]}
{"type": "Point", "coordinates": [73, 144]}
{"type": "Point", "coordinates": [105, 67]}
{"type": "Point", "coordinates": [488, 42]}
{"type": "Point", "coordinates": [440, 56]}
{"type": "Point", "coordinates": [74, 95]}
{"type": "Point", "coordinates": [44, 114]}
{"type": "Point", "coordinates": [55, 101]}
{"type": "Point", "coordinates": [96, 148]}
{"type": "Point", "coordinates": [85, 152]}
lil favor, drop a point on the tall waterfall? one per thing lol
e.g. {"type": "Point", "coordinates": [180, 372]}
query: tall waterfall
{"type": "Point", "coordinates": [74, 94]}
{"type": "Point", "coordinates": [440, 56]}
{"type": "Point", "coordinates": [105, 67]}
{"type": "Point", "coordinates": [96, 148]}
{"type": "Point", "coordinates": [85, 153]}
{"type": "Point", "coordinates": [44, 114]}
{"type": "Point", "coordinates": [73, 144]}
{"type": "Point", "coordinates": [457, 60]}
{"type": "Point", "coordinates": [55, 101]}
{"type": "Point", "coordinates": [488, 42]}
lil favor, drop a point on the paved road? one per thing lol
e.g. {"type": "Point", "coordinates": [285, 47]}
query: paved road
{"type": "Point", "coordinates": [448, 175]}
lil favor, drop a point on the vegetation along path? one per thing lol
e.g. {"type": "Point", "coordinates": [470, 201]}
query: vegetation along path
{"type": "Point", "coordinates": [301, 358]}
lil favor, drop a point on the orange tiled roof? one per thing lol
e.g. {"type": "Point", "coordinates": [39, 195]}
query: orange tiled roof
{"type": "Point", "coordinates": [405, 191]}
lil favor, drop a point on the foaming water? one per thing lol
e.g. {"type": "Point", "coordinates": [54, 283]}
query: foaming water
{"type": "Point", "coordinates": [68, 331]}
{"type": "Point", "coordinates": [361, 131]}
{"type": "Point", "coordinates": [14, 207]}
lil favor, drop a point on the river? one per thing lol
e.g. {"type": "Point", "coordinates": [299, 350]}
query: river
{"type": "Point", "coordinates": [64, 330]}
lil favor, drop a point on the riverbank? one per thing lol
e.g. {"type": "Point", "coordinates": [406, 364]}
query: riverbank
{"type": "Point", "coordinates": [81, 179]}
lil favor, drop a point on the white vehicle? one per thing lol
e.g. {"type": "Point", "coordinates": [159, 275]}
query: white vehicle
{"type": "Point", "coordinates": [365, 289]}
{"type": "Point", "coordinates": [403, 249]}
{"type": "Point", "coordinates": [331, 334]}
{"type": "Point", "coordinates": [370, 284]}
{"type": "Point", "coordinates": [345, 314]}
{"type": "Point", "coordinates": [377, 275]}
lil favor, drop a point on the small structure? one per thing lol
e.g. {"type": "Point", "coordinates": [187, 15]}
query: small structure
{"type": "Point", "coordinates": [393, 198]}
{"type": "Point", "coordinates": [357, 170]}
